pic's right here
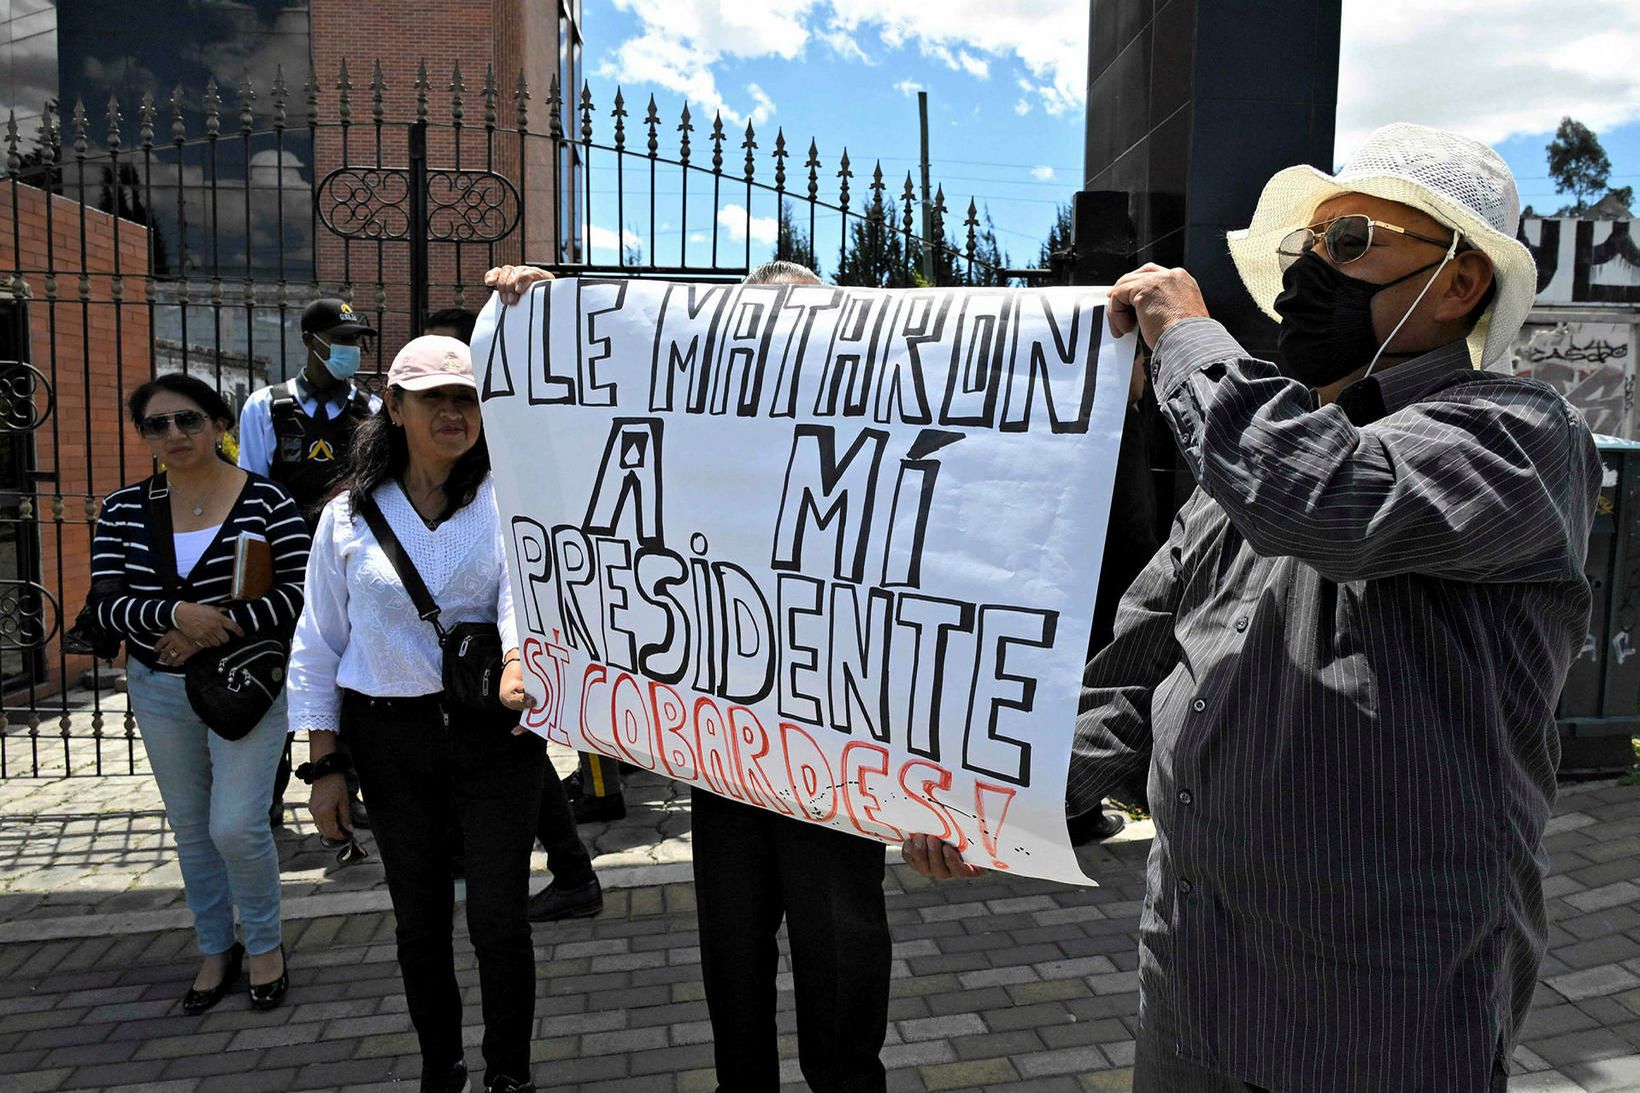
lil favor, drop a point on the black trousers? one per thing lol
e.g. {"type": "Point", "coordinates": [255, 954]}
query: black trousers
{"type": "Point", "coordinates": [422, 772]}
{"type": "Point", "coordinates": [753, 867]}
{"type": "Point", "coordinates": [567, 856]}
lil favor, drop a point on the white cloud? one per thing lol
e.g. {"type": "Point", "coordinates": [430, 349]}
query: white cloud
{"type": "Point", "coordinates": [1491, 69]}
{"type": "Point", "coordinates": [605, 239]}
{"type": "Point", "coordinates": [908, 88]}
{"type": "Point", "coordinates": [733, 217]}
{"type": "Point", "coordinates": [697, 237]}
{"type": "Point", "coordinates": [1042, 173]}
{"type": "Point", "coordinates": [1022, 107]}
{"type": "Point", "coordinates": [681, 40]}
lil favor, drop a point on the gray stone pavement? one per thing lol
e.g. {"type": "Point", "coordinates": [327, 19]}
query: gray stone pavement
{"type": "Point", "coordinates": [1000, 982]}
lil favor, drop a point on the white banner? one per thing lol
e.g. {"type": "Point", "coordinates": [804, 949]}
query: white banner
{"type": "Point", "coordinates": [831, 552]}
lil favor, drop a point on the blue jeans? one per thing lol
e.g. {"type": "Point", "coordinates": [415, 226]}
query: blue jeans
{"type": "Point", "coordinates": [216, 796]}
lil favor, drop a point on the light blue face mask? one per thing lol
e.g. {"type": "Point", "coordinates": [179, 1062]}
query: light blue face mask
{"type": "Point", "coordinates": [343, 361]}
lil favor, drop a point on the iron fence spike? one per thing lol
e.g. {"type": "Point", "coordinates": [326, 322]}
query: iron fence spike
{"type": "Point", "coordinates": [378, 92]}
{"type": "Point", "coordinates": [586, 112]}
{"type": "Point", "coordinates": [79, 123]}
{"type": "Point", "coordinates": [145, 120]}
{"type": "Point", "coordinates": [281, 93]}
{"type": "Point", "coordinates": [521, 96]}
{"type": "Point", "coordinates": [247, 105]}
{"type": "Point", "coordinates": [344, 88]}
{"type": "Point", "coordinates": [457, 87]}
{"type": "Point", "coordinates": [13, 161]}
{"type": "Point", "coordinates": [619, 114]}
{"type": "Point", "coordinates": [780, 158]}
{"type": "Point", "coordinates": [717, 143]}
{"type": "Point", "coordinates": [652, 121]}
{"type": "Point", "coordinates": [555, 109]}
{"type": "Point", "coordinates": [750, 144]}
{"type": "Point", "coordinates": [424, 88]}
{"type": "Point", "coordinates": [489, 95]}
{"type": "Point", "coordinates": [179, 128]}
{"type": "Point", "coordinates": [114, 120]}
{"type": "Point", "coordinates": [310, 90]}
{"type": "Point", "coordinates": [684, 128]}
{"type": "Point", "coordinates": [813, 165]}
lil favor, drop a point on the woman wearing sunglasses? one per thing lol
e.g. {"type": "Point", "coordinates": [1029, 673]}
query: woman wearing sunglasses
{"type": "Point", "coordinates": [215, 790]}
{"type": "Point", "coordinates": [367, 665]}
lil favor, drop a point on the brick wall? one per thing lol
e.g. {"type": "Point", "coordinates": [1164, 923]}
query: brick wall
{"type": "Point", "coordinates": [94, 350]}
{"type": "Point", "coordinates": [475, 34]}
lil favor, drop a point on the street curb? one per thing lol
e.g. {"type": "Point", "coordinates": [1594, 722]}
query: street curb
{"type": "Point", "coordinates": [303, 907]}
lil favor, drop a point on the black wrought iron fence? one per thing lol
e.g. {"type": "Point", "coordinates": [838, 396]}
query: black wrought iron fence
{"type": "Point", "coordinates": [190, 241]}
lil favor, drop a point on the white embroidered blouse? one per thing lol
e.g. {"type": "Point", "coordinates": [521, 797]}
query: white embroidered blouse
{"type": "Point", "coordinates": [359, 629]}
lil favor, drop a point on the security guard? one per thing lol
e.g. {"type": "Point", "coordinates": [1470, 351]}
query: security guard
{"type": "Point", "coordinates": [300, 434]}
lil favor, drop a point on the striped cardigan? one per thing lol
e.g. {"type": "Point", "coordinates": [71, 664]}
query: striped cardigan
{"type": "Point", "coordinates": [140, 605]}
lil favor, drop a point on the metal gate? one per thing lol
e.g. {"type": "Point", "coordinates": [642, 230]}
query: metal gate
{"type": "Point", "coordinates": [185, 233]}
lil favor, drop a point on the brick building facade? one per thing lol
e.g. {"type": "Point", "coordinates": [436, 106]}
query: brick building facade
{"type": "Point", "coordinates": [87, 333]}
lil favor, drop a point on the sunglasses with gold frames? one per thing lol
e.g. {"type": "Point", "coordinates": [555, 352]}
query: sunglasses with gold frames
{"type": "Point", "coordinates": [1348, 238]}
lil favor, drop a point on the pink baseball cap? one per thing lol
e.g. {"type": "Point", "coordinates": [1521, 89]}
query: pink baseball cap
{"type": "Point", "coordinates": [432, 360]}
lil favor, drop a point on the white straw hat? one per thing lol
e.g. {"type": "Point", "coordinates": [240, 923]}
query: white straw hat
{"type": "Point", "coordinates": [1460, 182]}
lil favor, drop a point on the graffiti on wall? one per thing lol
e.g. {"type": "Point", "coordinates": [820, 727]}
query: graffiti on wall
{"type": "Point", "coordinates": [1584, 261]}
{"type": "Point", "coordinates": [1592, 364]}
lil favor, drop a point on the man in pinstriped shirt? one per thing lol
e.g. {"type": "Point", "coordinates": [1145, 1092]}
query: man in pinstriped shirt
{"type": "Point", "coordinates": [1341, 671]}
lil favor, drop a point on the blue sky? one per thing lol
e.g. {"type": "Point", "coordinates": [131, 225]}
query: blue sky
{"type": "Point", "coordinates": [1005, 82]}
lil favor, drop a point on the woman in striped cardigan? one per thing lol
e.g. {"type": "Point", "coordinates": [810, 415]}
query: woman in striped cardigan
{"type": "Point", "coordinates": [215, 790]}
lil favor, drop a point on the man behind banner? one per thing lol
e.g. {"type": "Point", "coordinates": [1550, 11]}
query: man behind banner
{"type": "Point", "coordinates": [1342, 668]}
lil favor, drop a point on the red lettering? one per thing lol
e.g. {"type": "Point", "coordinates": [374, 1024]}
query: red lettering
{"type": "Point", "coordinates": [990, 807]}
{"type": "Point", "coordinates": [548, 715]}
{"type": "Point", "coordinates": [814, 789]}
{"type": "Point", "coordinates": [716, 749]}
{"type": "Point", "coordinates": [671, 718]}
{"type": "Point", "coordinates": [630, 714]}
{"type": "Point", "coordinates": [593, 681]}
{"type": "Point", "coordinates": [751, 746]}
{"type": "Point", "coordinates": [920, 778]}
{"type": "Point", "coordinates": [857, 764]}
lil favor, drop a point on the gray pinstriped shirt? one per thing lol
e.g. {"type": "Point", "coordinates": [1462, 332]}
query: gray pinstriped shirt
{"type": "Point", "coordinates": [1342, 672]}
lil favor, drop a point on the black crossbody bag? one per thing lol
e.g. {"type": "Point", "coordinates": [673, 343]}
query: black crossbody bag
{"type": "Point", "coordinates": [472, 651]}
{"type": "Point", "coordinates": [231, 687]}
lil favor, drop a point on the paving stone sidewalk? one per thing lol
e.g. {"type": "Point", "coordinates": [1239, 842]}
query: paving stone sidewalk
{"type": "Point", "coordinates": [999, 983]}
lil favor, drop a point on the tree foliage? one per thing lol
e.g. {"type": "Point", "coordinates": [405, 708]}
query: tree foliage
{"type": "Point", "coordinates": [1577, 163]}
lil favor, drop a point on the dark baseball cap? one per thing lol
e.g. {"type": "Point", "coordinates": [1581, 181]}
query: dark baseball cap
{"type": "Point", "coordinates": [330, 316]}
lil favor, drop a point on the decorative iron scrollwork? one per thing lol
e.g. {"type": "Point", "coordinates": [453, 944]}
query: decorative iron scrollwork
{"type": "Point", "coordinates": [470, 206]}
{"type": "Point", "coordinates": [463, 206]}
{"type": "Point", "coordinates": [366, 202]}
{"type": "Point", "coordinates": [20, 387]}
{"type": "Point", "coordinates": [30, 615]}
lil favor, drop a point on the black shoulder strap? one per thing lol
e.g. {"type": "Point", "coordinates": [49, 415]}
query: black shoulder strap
{"type": "Point", "coordinates": [402, 564]}
{"type": "Point", "coordinates": [162, 549]}
{"type": "Point", "coordinates": [284, 406]}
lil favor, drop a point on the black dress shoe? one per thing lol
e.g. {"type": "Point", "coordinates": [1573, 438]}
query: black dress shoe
{"type": "Point", "coordinates": [555, 902]}
{"type": "Point", "coordinates": [504, 1084]}
{"type": "Point", "coordinates": [267, 996]}
{"type": "Point", "coordinates": [197, 1002]}
{"type": "Point", "coordinates": [1094, 826]}
{"type": "Point", "coordinates": [451, 1079]}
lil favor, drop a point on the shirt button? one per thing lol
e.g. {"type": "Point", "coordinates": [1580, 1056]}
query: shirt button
{"type": "Point", "coordinates": [1185, 887]}
{"type": "Point", "coordinates": [1241, 624]}
{"type": "Point", "coordinates": [1199, 705]}
{"type": "Point", "coordinates": [1184, 797]}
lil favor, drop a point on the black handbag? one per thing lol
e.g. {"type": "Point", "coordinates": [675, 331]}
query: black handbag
{"type": "Point", "coordinates": [232, 686]}
{"type": "Point", "coordinates": [472, 651]}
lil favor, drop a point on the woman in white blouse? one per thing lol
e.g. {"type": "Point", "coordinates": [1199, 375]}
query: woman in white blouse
{"type": "Point", "coordinates": [365, 665]}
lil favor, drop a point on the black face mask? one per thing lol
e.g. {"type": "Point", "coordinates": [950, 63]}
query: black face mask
{"type": "Point", "coordinates": [1326, 320]}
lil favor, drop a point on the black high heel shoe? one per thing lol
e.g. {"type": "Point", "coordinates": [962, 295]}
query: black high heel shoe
{"type": "Point", "coordinates": [197, 1002]}
{"type": "Point", "coordinates": [267, 996]}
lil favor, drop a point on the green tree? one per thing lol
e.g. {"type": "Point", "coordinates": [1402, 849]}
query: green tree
{"type": "Point", "coordinates": [792, 242]}
{"type": "Point", "coordinates": [1059, 236]}
{"type": "Point", "coordinates": [1577, 163]}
